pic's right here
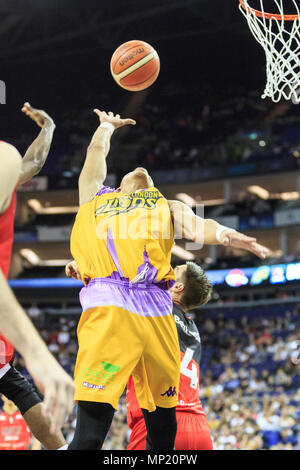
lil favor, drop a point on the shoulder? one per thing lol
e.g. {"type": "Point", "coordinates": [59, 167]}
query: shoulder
{"type": "Point", "coordinates": [10, 157]}
{"type": "Point", "coordinates": [10, 169]}
{"type": "Point", "coordinates": [176, 206]}
{"type": "Point", "coordinates": [94, 196]}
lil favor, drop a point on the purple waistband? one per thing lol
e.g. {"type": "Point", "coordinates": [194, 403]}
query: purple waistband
{"type": "Point", "coordinates": [146, 300]}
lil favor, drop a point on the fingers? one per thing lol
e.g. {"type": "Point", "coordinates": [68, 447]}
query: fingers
{"type": "Point", "coordinates": [68, 270]}
{"type": "Point", "coordinates": [58, 403]}
{"type": "Point", "coordinates": [97, 111]}
{"type": "Point", "coordinates": [40, 117]}
{"type": "Point", "coordinates": [129, 122]}
{"type": "Point", "coordinates": [259, 250]}
{"type": "Point", "coordinates": [60, 411]}
{"type": "Point", "coordinates": [49, 401]}
{"type": "Point", "coordinates": [232, 238]}
{"type": "Point", "coordinates": [71, 272]}
{"type": "Point", "coordinates": [114, 119]}
{"type": "Point", "coordinates": [27, 108]}
{"type": "Point", "coordinates": [239, 240]}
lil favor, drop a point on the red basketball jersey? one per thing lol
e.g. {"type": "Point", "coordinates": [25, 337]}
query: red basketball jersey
{"type": "Point", "coordinates": [14, 433]}
{"type": "Point", "coordinates": [190, 350]}
{"type": "Point", "coordinates": [6, 242]}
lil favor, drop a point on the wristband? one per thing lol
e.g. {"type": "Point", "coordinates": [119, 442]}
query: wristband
{"type": "Point", "coordinates": [220, 230]}
{"type": "Point", "coordinates": [108, 125]}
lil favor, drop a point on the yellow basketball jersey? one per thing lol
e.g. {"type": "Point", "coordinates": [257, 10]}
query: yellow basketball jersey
{"type": "Point", "coordinates": [124, 237]}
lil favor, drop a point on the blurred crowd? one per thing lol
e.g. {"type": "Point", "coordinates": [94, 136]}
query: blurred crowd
{"type": "Point", "coordinates": [177, 127]}
{"type": "Point", "coordinates": [250, 375]}
{"type": "Point", "coordinates": [250, 378]}
{"type": "Point", "coordinates": [233, 128]}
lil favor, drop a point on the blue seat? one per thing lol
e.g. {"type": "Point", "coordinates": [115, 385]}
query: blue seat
{"type": "Point", "coordinates": [272, 437]}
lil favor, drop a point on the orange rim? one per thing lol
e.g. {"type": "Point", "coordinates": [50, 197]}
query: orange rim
{"type": "Point", "coordinates": [269, 16]}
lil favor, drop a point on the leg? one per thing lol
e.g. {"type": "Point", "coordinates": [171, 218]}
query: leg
{"type": "Point", "coordinates": [138, 436]}
{"type": "Point", "coordinates": [103, 366]}
{"type": "Point", "coordinates": [93, 423]}
{"type": "Point", "coordinates": [156, 380]}
{"type": "Point", "coordinates": [29, 401]}
{"type": "Point", "coordinates": [161, 428]}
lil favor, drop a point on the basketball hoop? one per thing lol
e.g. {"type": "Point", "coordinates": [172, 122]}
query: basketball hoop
{"type": "Point", "coordinates": [279, 35]}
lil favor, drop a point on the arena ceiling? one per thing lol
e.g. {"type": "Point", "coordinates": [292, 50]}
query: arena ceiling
{"type": "Point", "coordinates": [52, 51]}
{"type": "Point", "coordinates": [42, 29]}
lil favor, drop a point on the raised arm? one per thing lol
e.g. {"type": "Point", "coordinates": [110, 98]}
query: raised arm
{"type": "Point", "coordinates": [36, 155]}
{"type": "Point", "coordinates": [94, 169]}
{"type": "Point", "coordinates": [209, 232]}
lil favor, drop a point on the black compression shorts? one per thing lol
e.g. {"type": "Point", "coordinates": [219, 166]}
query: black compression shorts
{"type": "Point", "coordinates": [19, 390]}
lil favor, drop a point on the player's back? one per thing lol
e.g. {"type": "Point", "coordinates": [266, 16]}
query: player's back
{"type": "Point", "coordinates": [190, 351]}
{"type": "Point", "coordinates": [124, 237]}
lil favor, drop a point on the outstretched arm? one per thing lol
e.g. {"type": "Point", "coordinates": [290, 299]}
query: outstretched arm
{"type": "Point", "coordinates": [36, 155]}
{"type": "Point", "coordinates": [209, 232]}
{"type": "Point", "coordinates": [94, 169]}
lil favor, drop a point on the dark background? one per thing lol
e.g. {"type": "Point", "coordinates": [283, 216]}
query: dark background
{"type": "Point", "coordinates": [56, 53]}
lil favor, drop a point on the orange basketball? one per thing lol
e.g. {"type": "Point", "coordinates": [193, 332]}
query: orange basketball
{"type": "Point", "coordinates": [135, 65]}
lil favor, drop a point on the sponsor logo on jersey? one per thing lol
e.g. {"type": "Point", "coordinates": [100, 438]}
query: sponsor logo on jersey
{"type": "Point", "coordinates": [121, 205]}
{"type": "Point", "coordinates": [179, 322]}
{"type": "Point", "coordinates": [104, 375]}
{"type": "Point", "coordinates": [93, 386]}
{"type": "Point", "coordinates": [171, 392]}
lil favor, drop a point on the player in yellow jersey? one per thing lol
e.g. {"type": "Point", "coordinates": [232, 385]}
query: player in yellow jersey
{"type": "Point", "coordinates": [122, 241]}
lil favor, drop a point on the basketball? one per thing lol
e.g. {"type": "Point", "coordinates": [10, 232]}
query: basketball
{"type": "Point", "coordinates": [135, 65]}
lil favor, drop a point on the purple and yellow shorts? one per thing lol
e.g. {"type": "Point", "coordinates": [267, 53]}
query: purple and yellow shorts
{"type": "Point", "coordinates": [127, 329]}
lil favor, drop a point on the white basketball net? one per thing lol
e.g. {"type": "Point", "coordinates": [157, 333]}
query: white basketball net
{"type": "Point", "coordinates": [280, 39]}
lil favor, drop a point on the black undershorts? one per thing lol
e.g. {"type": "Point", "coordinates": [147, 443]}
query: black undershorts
{"type": "Point", "coordinates": [19, 390]}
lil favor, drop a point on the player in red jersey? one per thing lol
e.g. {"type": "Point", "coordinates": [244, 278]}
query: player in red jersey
{"type": "Point", "coordinates": [14, 432]}
{"type": "Point", "coordinates": [31, 164]}
{"type": "Point", "coordinates": [192, 289]}
{"type": "Point", "coordinates": [56, 385]}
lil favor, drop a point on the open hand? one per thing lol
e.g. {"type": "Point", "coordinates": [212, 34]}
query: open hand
{"type": "Point", "coordinates": [56, 386]}
{"type": "Point", "coordinates": [40, 117]}
{"type": "Point", "coordinates": [239, 240]}
{"type": "Point", "coordinates": [115, 120]}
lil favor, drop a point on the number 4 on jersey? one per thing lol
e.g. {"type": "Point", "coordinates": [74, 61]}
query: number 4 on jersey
{"type": "Point", "coordinates": [190, 373]}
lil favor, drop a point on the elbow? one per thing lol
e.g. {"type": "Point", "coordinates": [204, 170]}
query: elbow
{"type": "Point", "coordinates": [36, 168]}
